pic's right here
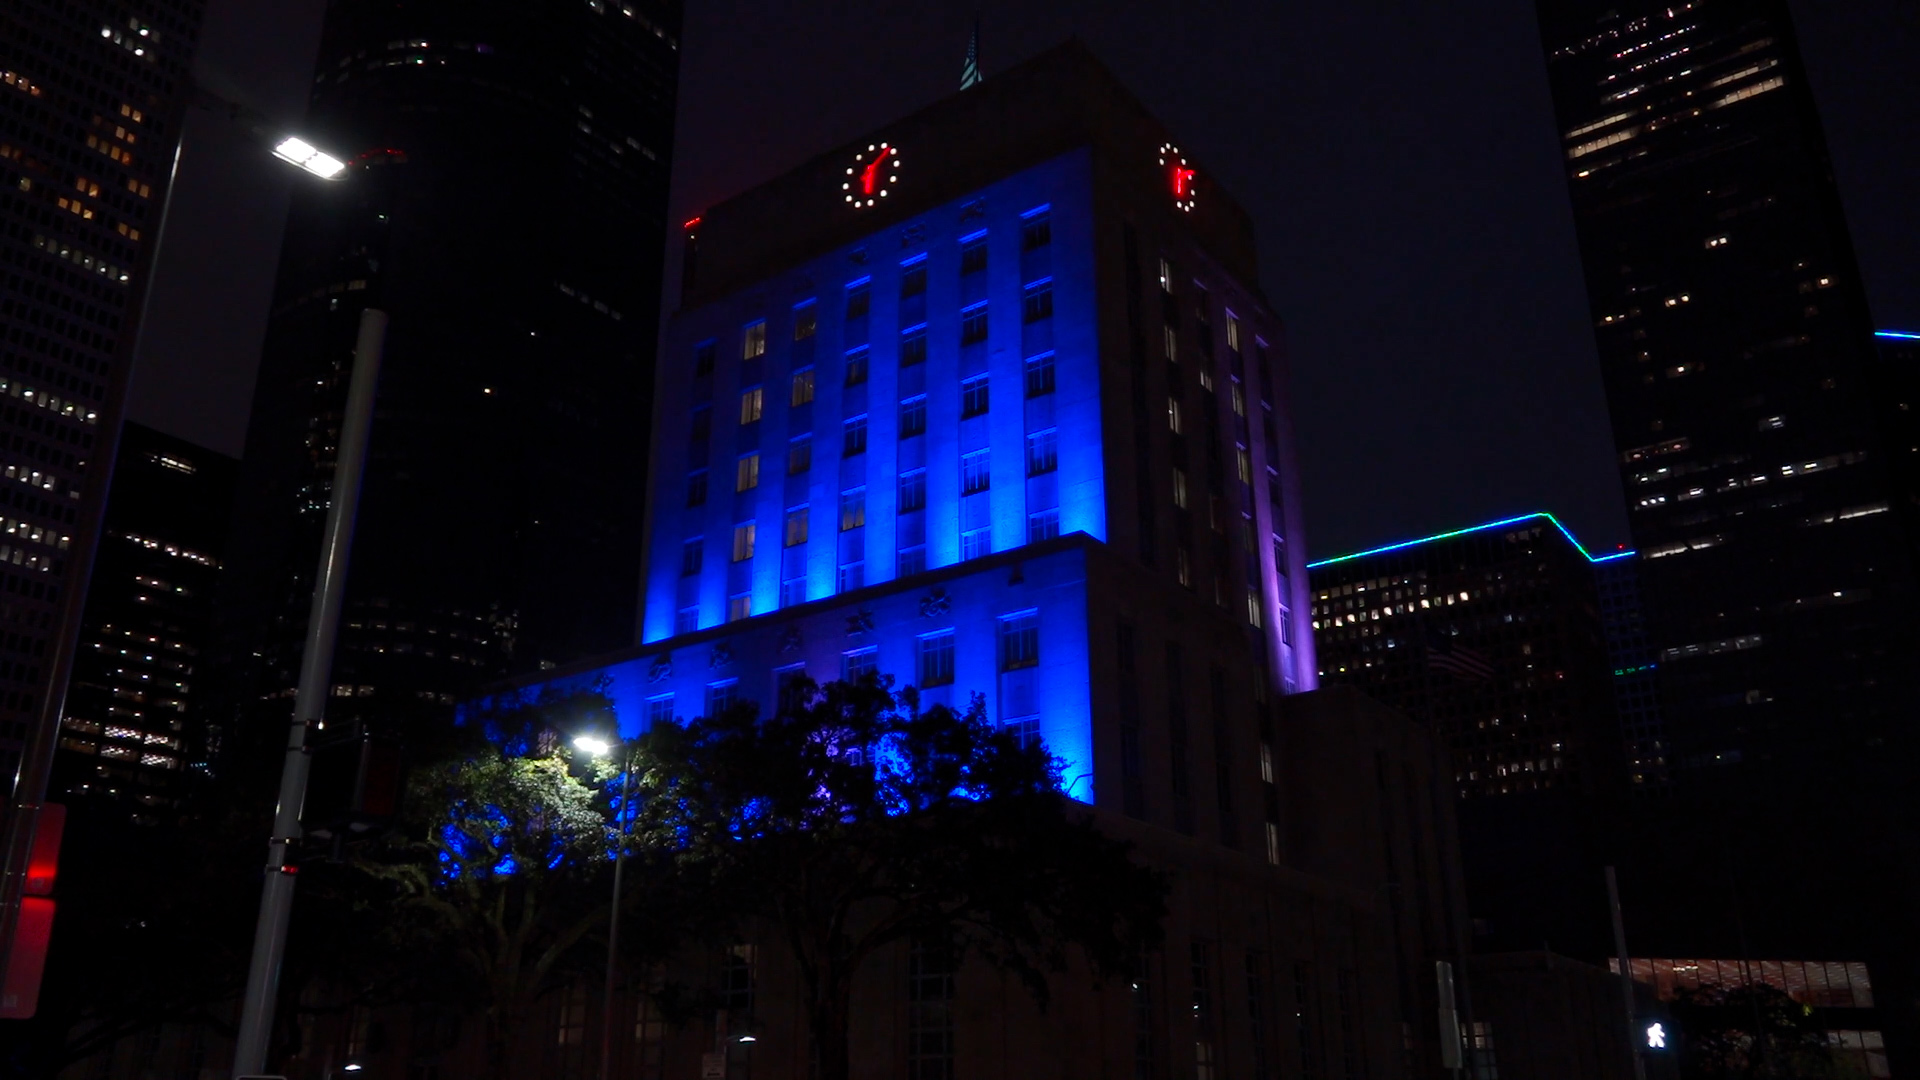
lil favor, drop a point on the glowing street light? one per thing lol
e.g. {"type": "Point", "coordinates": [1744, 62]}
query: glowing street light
{"type": "Point", "coordinates": [309, 157]}
{"type": "Point", "coordinates": [596, 747]}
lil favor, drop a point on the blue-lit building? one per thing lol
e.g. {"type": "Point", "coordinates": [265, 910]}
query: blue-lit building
{"type": "Point", "coordinates": [989, 401]}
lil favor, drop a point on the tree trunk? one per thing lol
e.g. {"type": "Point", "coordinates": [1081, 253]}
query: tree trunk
{"type": "Point", "coordinates": [499, 1045]}
{"type": "Point", "coordinates": [827, 1015]}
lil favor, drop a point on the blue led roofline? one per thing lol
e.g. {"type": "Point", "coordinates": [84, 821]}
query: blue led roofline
{"type": "Point", "coordinates": [1474, 529]}
{"type": "Point", "coordinates": [1901, 335]}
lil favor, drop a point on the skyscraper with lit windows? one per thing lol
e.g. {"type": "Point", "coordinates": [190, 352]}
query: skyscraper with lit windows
{"type": "Point", "coordinates": [91, 97]}
{"type": "Point", "coordinates": [1768, 456]}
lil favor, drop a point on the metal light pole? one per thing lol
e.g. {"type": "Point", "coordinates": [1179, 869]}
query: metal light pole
{"type": "Point", "coordinates": [599, 748]}
{"type": "Point", "coordinates": [1626, 977]}
{"type": "Point", "coordinates": [309, 703]}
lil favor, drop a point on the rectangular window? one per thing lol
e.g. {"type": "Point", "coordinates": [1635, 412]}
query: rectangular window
{"type": "Point", "coordinates": [1173, 415]}
{"type": "Point", "coordinates": [857, 366]}
{"type": "Point", "coordinates": [936, 658]}
{"type": "Point", "coordinates": [701, 428]}
{"type": "Point", "coordinates": [973, 253]}
{"type": "Point", "coordinates": [913, 345]}
{"type": "Point", "coordinates": [1036, 228]}
{"type": "Point", "coordinates": [913, 560]}
{"type": "Point", "coordinates": [739, 606]}
{"type": "Point", "coordinates": [1040, 374]}
{"type": "Point", "coordinates": [973, 396]}
{"type": "Point", "coordinates": [860, 663]}
{"type": "Point", "coordinates": [1273, 844]}
{"type": "Point", "coordinates": [686, 620]}
{"type": "Point", "coordinates": [1019, 640]}
{"type": "Point", "coordinates": [1239, 399]}
{"type": "Point", "coordinates": [859, 298]}
{"type": "Point", "coordinates": [752, 402]}
{"type": "Point", "coordinates": [697, 487]}
{"type": "Point", "coordinates": [1286, 627]}
{"type": "Point", "coordinates": [976, 472]}
{"type": "Point", "coordinates": [796, 533]}
{"type": "Point", "coordinates": [1245, 461]}
{"type": "Point", "coordinates": [802, 387]}
{"type": "Point", "coordinates": [790, 688]}
{"type": "Point", "coordinates": [1166, 277]}
{"type": "Point", "coordinates": [800, 455]}
{"type": "Point", "coordinates": [755, 344]}
{"type": "Point", "coordinates": [703, 356]}
{"type": "Point", "coordinates": [913, 277]}
{"type": "Point", "coordinates": [1170, 345]}
{"type": "Point", "coordinates": [1253, 608]}
{"type": "Point", "coordinates": [1043, 452]}
{"type": "Point", "coordinates": [743, 541]}
{"type": "Point", "coordinates": [746, 474]}
{"type": "Point", "coordinates": [1180, 488]}
{"type": "Point", "coordinates": [853, 437]}
{"type": "Point", "coordinates": [853, 508]}
{"type": "Point", "coordinates": [913, 416]}
{"type": "Point", "coordinates": [1043, 525]}
{"type": "Point", "coordinates": [1036, 301]}
{"type": "Point", "coordinates": [793, 591]}
{"type": "Point", "coordinates": [852, 576]}
{"type": "Point", "coordinates": [913, 491]}
{"type": "Point", "coordinates": [973, 324]}
{"type": "Point", "coordinates": [1233, 331]}
{"type": "Point", "coordinates": [692, 554]}
{"type": "Point", "coordinates": [1206, 376]}
{"type": "Point", "coordinates": [806, 319]}
{"type": "Point", "coordinates": [1183, 566]}
{"type": "Point", "coordinates": [659, 710]}
{"type": "Point", "coordinates": [1025, 731]}
{"type": "Point", "coordinates": [975, 544]}
{"type": "Point", "coordinates": [721, 696]}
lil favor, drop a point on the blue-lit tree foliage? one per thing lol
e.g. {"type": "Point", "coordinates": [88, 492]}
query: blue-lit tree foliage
{"type": "Point", "coordinates": [852, 821]}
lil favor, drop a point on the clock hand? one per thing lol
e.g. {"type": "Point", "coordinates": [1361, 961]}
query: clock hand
{"type": "Point", "coordinates": [871, 172]}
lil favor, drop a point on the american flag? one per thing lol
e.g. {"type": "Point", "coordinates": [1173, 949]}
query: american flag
{"type": "Point", "coordinates": [970, 71]}
{"type": "Point", "coordinates": [1457, 660]}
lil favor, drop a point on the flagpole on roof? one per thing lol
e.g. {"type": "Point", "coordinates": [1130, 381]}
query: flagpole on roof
{"type": "Point", "coordinates": [970, 70]}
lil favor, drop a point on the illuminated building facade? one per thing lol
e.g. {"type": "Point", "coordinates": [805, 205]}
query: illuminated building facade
{"type": "Point", "coordinates": [988, 402]}
{"type": "Point", "coordinates": [1768, 457]}
{"type": "Point", "coordinates": [505, 203]}
{"type": "Point", "coordinates": [135, 727]}
{"type": "Point", "coordinates": [91, 97]}
{"type": "Point", "coordinates": [1494, 637]}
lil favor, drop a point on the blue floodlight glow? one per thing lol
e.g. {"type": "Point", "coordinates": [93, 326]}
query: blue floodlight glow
{"type": "Point", "coordinates": [1502, 523]}
{"type": "Point", "coordinates": [1898, 335]}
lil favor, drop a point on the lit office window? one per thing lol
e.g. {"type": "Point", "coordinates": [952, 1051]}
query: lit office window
{"type": "Point", "coordinates": [857, 366]}
{"type": "Point", "coordinates": [756, 340]}
{"type": "Point", "coordinates": [976, 472]}
{"type": "Point", "coordinates": [796, 533]}
{"type": "Point", "coordinates": [1170, 343]}
{"type": "Point", "coordinates": [1019, 640]}
{"type": "Point", "coordinates": [973, 396]}
{"type": "Point", "coordinates": [1166, 277]}
{"type": "Point", "coordinates": [1233, 331]}
{"type": "Point", "coordinates": [1246, 465]}
{"type": "Point", "coordinates": [802, 387]}
{"type": "Point", "coordinates": [806, 318]}
{"type": "Point", "coordinates": [853, 436]}
{"type": "Point", "coordinates": [739, 606]}
{"type": "Point", "coordinates": [746, 474]}
{"type": "Point", "coordinates": [853, 508]}
{"type": "Point", "coordinates": [1239, 400]}
{"type": "Point", "coordinates": [1253, 608]}
{"type": "Point", "coordinates": [752, 401]}
{"type": "Point", "coordinates": [1180, 488]}
{"type": "Point", "coordinates": [936, 658]}
{"type": "Point", "coordinates": [743, 541]}
{"type": "Point", "coordinates": [1173, 415]}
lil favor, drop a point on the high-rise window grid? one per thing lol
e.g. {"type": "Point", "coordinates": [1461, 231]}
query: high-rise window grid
{"type": "Point", "coordinates": [1036, 228]}
{"type": "Point", "coordinates": [913, 416]}
{"type": "Point", "coordinates": [853, 436]}
{"type": "Point", "coordinates": [752, 403]}
{"type": "Point", "coordinates": [976, 472]}
{"type": "Point", "coordinates": [754, 340]}
{"type": "Point", "coordinates": [857, 366]}
{"type": "Point", "coordinates": [853, 509]}
{"type": "Point", "coordinates": [802, 388]}
{"type": "Point", "coordinates": [913, 345]}
{"type": "Point", "coordinates": [746, 473]}
{"type": "Point", "coordinates": [1036, 301]}
{"type": "Point", "coordinates": [692, 554]}
{"type": "Point", "coordinates": [800, 455]}
{"type": "Point", "coordinates": [912, 492]}
{"type": "Point", "coordinates": [796, 530]}
{"type": "Point", "coordinates": [973, 253]}
{"type": "Point", "coordinates": [974, 396]}
{"type": "Point", "coordinates": [1040, 377]}
{"type": "Point", "coordinates": [859, 298]}
{"type": "Point", "coordinates": [1043, 452]}
{"type": "Point", "coordinates": [1019, 640]}
{"type": "Point", "coordinates": [743, 541]}
{"type": "Point", "coordinates": [936, 658]}
{"type": "Point", "coordinates": [1043, 525]}
{"type": "Point", "coordinates": [973, 324]}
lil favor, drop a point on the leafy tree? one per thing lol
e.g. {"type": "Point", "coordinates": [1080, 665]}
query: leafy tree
{"type": "Point", "coordinates": [853, 820]}
{"type": "Point", "coordinates": [1716, 1025]}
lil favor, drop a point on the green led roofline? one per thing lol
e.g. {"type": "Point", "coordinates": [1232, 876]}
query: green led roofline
{"type": "Point", "coordinates": [1503, 523]}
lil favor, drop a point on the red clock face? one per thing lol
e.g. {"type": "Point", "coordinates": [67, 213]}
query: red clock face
{"type": "Point", "coordinates": [1180, 177]}
{"type": "Point", "coordinates": [873, 173]}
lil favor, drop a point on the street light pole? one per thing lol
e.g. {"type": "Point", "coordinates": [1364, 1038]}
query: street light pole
{"type": "Point", "coordinates": [309, 703]}
{"type": "Point", "coordinates": [613, 917]}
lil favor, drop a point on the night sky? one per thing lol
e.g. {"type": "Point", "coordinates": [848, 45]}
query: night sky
{"type": "Point", "coordinates": [1400, 159]}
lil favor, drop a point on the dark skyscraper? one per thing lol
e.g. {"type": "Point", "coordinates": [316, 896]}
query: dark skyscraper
{"type": "Point", "coordinates": [134, 729]}
{"type": "Point", "coordinates": [1768, 460]}
{"type": "Point", "coordinates": [90, 102]}
{"type": "Point", "coordinates": [504, 202]}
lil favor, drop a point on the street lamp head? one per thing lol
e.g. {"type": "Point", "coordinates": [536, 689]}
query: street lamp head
{"type": "Point", "coordinates": [307, 156]}
{"type": "Point", "coordinates": [596, 747]}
